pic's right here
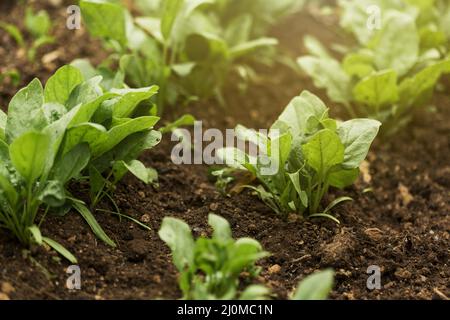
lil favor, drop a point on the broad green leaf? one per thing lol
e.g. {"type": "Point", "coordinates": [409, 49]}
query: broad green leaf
{"type": "Point", "coordinates": [85, 92]}
{"type": "Point", "coordinates": [61, 84]}
{"type": "Point", "coordinates": [177, 235]}
{"type": "Point", "coordinates": [379, 90]}
{"type": "Point", "coordinates": [53, 194]}
{"type": "Point", "coordinates": [92, 222]}
{"type": "Point", "coordinates": [415, 91]}
{"type": "Point", "coordinates": [357, 135]}
{"type": "Point", "coordinates": [87, 110]}
{"type": "Point", "coordinates": [60, 249]}
{"type": "Point", "coordinates": [71, 163]}
{"type": "Point", "coordinates": [25, 111]}
{"type": "Point", "coordinates": [29, 155]}
{"type": "Point", "coordinates": [91, 133]}
{"type": "Point", "coordinates": [221, 227]}
{"type": "Point", "coordinates": [297, 114]}
{"type": "Point", "coordinates": [105, 19]}
{"type": "Point", "coordinates": [130, 99]}
{"type": "Point", "coordinates": [359, 64]}
{"type": "Point", "coordinates": [397, 50]}
{"type": "Point", "coordinates": [324, 151]}
{"type": "Point", "coordinates": [315, 287]}
{"type": "Point", "coordinates": [343, 178]}
{"type": "Point", "coordinates": [120, 132]}
{"type": "Point", "coordinates": [328, 74]}
{"type": "Point", "coordinates": [303, 196]}
{"type": "Point", "coordinates": [245, 252]}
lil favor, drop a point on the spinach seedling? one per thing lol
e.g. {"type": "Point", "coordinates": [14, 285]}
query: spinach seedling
{"type": "Point", "coordinates": [188, 48]}
{"type": "Point", "coordinates": [305, 153]}
{"type": "Point", "coordinates": [38, 25]}
{"type": "Point", "coordinates": [388, 74]}
{"type": "Point", "coordinates": [210, 268]}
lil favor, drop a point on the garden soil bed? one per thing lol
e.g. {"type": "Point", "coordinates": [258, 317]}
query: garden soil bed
{"type": "Point", "coordinates": [399, 219]}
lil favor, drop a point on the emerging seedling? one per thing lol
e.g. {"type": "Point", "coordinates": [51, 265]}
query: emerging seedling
{"type": "Point", "coordinates": [388, 73]}
{"type": "Point", "coordinates": [210, 268]}
{"type": "Point", "coordinates": [305, 153]}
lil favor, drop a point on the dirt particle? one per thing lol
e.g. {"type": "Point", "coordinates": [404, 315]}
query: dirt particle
{"type": "Point", "coordinates": [405, 195]}
{"type": "Point", "coordinates": [145, 218]}
{"type": "Point", "coordinates": [402, 273]}
{"type": "Point", "coordinates": [4, 296]}
{"type": "Point", "coordinates": [138, 250]}
{"type": "Point", "coordinates": [213, 207]}
{"type": "Point", "coordinates": [274, 269]}
{"type": "Point", "coordinates": [7, 288]}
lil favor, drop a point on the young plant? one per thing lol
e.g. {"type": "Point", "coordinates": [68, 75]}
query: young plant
{"type": "Point", "coordinates": [38, 25]}
{"type": "Point", "coordinates": [305, 153]}
{"type": "Point", "coordinates": [315, 287]}
{"type": "Point", "coordinates": [186, 47]}
{"type": "Point", "coordinates": [210, 268]}
{"type": "Point", "coordinates": [388, 73]}
{"type": "Point", "coordinates": [72, 127]}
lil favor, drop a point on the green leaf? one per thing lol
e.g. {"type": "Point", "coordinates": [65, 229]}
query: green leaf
{"type": "Point", "coordinates": [335, 202]}
{"type": "Point", "coordinates": [29, 155]}
{"type": "Point", "coordinates": [38, 24]}
{"type": "Point", "coordinates": [85, 92]}
{"type": "Point", "coordinates": [300, 110]}
{"type": "Point", "coordinates": [357, 135]}
{"type": "Point", "coordinates": [378, 91]}
{"type": "Point", "coordinates": [139, 170]}
{"type": "Point", "coordinates": [221, 227]}
{"type": "Point", "coordinates": [36, 233]}
{"type": "Point", "coordinates": [328, 74]}
{"type": "Point", "coordinates": [95, 227]}
{"type": "Point", "coordinates": [343, 178]}
{"type": "Point", "coordinates": [255, 292]}
{"type": "Point", "coordinates": [172, 9]}
{"type": "Point", "coordinates": [105, 19]}
{"type": "Point", "coordinates": [14, 32]}
{"type": "Point", "coordinates": [61, 84]}
{"type": "Point", "coordinates": [177, 235]}
{"type": "Point", "coordinates": [324, 151]}
{"type": "Point", "coordinates": [130, 99]}
{"type": "Point", "coordinates": [415, 91]}
{"type": "Point", "coordinates": [120, 132]}
{"type": "Point", "coordinates": [359, 64]}
{"type": "Point", "coordinates": [91, 133]}
{"type": "Point", "coordinates": [3, 119]}
{"type": "Point", "coordinates": [397, 50]}
{"type": "Point", "coordinates": [53, 194]}
{"type": "Point", "coordinates": [184, 120]}
{"type": "Point", "coordinates": [248, 47]}
{"type": "Point", "coordinates": [315, 287]}
{"type": "Point", "coordinates": [87, 110]}
{"type": "Point", "coordinates": [25, 111]}
{"type": "Point", "coordinates": [72, 163]}
{"type": "Point", "coordinates": [60, 249]}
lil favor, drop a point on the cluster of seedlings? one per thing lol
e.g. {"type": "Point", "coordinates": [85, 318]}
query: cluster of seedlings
{"type": "Point", "coordinates": [91, 123]}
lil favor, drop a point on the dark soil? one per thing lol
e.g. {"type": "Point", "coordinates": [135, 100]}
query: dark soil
{"type": "Point", "coordinates": [399, 219]}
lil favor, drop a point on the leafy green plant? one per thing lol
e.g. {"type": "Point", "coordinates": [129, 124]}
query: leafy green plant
{"type": "Point", "coordinates": [68, 130]}
{"type": "Point", "coordinates": [184, 46]}
{"type": "Point", "coordinates": [315, 287]}
{"type": "Point", "coordinates": [38, 25]}
{"type": "Point", "coordinates": [388, 73]}
{"type": "Point", "coordinates": [210, 268]}
{"type": "Point", "coordinates": [305, 153]}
